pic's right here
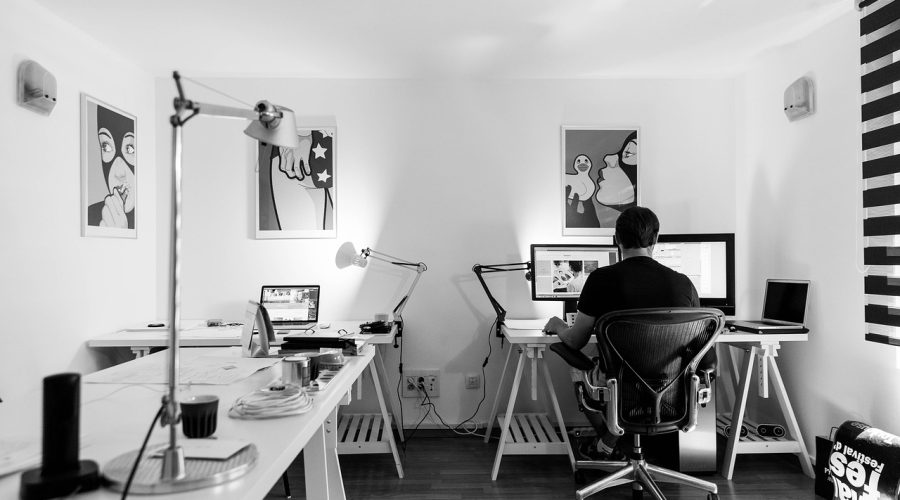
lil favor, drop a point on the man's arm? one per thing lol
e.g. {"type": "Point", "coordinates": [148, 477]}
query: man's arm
{"type": "Point", "coordinates": [576, 336]}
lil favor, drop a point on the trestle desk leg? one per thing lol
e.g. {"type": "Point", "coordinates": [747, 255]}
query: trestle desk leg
{"type": "Point", "coordinates": [504, 433]}
{"type": "Point", "coordinates": [379, 365]}
{"type": "Point", "coordinates": [320, 460]}
{"type": "Point", "coordinates": [791, 420]}
{"type": "Point", "coordinates": [387, 419]}
{"type": "Point", "coordinates": [490, 422]}
{"type": "Point", "coordinates": [737, 415]}
{"type": "Point", "coordinates": [556, 411]}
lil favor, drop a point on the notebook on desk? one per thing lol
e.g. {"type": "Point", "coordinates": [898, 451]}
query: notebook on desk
{"type": "Point", "coordinates": [784, 309]}
{"type": "Point", "coordinates": [291, 307]}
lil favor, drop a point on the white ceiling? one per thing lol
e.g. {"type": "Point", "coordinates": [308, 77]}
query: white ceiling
{"type": "Point", "coordinates": [446, 39]}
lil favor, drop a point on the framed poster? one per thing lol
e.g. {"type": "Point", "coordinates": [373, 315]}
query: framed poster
{"type": "Point", "coordinates": [108, 170]}
{"type": "Point", "coordinates": [296, 188]}
{"type": "Point", "coordinates": [599, 178]}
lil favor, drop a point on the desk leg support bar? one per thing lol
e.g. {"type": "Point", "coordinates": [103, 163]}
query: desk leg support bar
{"type": "Point", "coordinates": [490, 422]}
{"type": "Point", "coordinates": [504, 433]}
{"type": "Point", "coordinates": [320, 460]}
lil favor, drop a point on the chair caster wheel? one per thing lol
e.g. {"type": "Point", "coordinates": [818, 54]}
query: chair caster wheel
{"type": "Point", "coordinates": [579, 477]}
{"type": "Point", "coordinates": [712, 496]}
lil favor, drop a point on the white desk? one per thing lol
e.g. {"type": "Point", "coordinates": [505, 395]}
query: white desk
{"type": "Point", "coordinates": [531, 343]}
{"type": "Point", "coordinates": [356, 438]}
{"type": "Point", "coordinates": [115, 418]}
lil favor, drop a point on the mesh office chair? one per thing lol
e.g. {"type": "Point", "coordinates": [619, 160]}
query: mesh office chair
{"type": "Point", "coordinates": [654, 386]}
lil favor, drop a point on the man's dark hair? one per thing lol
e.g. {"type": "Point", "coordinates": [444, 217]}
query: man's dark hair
{"type": "Point", "coordinates": [637, 227]}
{"type": "Point", "coordinates": [575, 266]}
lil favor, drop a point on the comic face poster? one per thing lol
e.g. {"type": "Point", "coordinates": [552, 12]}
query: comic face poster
{"type": "Point", "coordinates": [296, 188]}
{"type": "Point", "coordinates": [599, 178]}
{"type": "Point", "coordinates": [108, 170]}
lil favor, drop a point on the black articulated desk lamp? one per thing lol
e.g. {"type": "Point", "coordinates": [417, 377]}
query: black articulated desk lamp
{"type": "Point", "coordinates": [480, 269]}
{"type": "Point", "coordinates": [347, 255]}
{"type": "Point", "coordinates": [173, 473]}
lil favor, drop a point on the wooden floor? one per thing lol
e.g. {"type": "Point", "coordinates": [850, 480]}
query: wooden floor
{"type": "Point", "coordinates": [448, 468]}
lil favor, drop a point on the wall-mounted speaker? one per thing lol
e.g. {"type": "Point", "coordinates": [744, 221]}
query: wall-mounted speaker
{"type": "Point", "coordinates": [61, 472]}
{"type": "Point", "coordinates": [800, 99]}
{"type": "Point", "coordinates": [36, 88]}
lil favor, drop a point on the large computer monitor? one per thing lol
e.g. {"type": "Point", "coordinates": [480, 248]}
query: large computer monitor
{"type": "Point", "coordinates": [559, 270]}
{"type": "Point", "coordinates": [707, 259]}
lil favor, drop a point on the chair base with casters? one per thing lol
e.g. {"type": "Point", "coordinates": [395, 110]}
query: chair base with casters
{"type": "Point", "coordinates": [642, 476]}
{"type": "Point", "coordinates": [673, 342]}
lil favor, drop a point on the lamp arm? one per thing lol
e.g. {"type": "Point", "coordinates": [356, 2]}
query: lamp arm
{"type": "Point", "coordinates": [263, 111]}
{"type": "Point", "coordinates": [480, 269]}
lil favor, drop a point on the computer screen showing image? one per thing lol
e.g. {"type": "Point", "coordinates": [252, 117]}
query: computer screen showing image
{"type": "Point", "coordinates": [707, 259]}
{"type": "Point", "coordinates": [559, 271]}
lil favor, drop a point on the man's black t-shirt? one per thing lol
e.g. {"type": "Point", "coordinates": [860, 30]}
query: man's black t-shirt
{"type": "Point", "coordinates": [636, 282]}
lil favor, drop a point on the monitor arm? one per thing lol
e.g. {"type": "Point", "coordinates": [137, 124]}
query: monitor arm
{"type": "Point", "coordinates": [480, 269]}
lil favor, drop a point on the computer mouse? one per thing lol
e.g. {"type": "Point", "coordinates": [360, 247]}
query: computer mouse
{"type": "Point", "coordinates": [324, 326]}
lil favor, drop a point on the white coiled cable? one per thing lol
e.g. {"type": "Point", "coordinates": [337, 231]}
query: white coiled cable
{"type": "Point", "coordinates": [271, 402]}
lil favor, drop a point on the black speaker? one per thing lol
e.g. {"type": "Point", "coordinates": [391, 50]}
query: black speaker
{"type": "Point", "coordinates": [770, 430]}
{"type": "Point", "coordinates": [61, 473]}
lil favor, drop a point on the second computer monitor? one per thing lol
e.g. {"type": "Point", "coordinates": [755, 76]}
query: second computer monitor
{"type": "Point", "coordinates": [559, 271]}
{"type": "Point", "coordinates": [707, 259]}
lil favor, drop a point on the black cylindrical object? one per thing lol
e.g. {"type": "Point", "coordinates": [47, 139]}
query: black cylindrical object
{"type": "Point", "coordinates": [62, 400]}
{"type": "Point", "coordinates": [61, 472]}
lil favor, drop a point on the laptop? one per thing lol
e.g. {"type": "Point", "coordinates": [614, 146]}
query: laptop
{"type": "Point", "coordinates": [291, 307]}
{"type": "Point", "coordinates": [784, 309]}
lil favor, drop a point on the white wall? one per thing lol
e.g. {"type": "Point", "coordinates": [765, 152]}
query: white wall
{"type": "Point", "coordinates": [58, 289]}
{"type": "Point", "coordinates": [799, 216]}
{"type": "Point", "coordinates": [452, 173]}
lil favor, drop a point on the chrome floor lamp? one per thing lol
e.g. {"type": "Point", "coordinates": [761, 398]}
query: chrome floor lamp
{"type": "Point", "coordinates": [135, 471]}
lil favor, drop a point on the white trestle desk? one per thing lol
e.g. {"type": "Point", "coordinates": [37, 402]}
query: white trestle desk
{"type": "Point", "coordinates": [360, 433]}
{"type": "Point", "coordinates": [535, 434]}
{"type": "Point", "coordinates": [115, 417]}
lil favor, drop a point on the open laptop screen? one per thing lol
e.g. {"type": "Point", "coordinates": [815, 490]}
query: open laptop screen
{"type": "Point", "coordinates": [785, 300]}
{"type": "Point", "coordinates": [291, 303]}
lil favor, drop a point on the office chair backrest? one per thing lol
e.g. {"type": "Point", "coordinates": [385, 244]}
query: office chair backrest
{"type": "Point", "coordinates": [654, 353]}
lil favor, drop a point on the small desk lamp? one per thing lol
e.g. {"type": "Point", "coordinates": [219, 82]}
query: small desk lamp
{"type": "Point", "coordinates": [271, 124]}
{"type": "Point", "coordinates": [347, 255]}
{"type": "Point", "coordinates": [480, 269]}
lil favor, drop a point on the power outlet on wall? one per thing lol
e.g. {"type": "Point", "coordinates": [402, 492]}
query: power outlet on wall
{"type": "Point", "coordinates": [473, 381]}
{"type": "Point", "coordinates": [429, 379]}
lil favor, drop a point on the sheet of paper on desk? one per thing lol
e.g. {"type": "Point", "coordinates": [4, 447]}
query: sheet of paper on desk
{"type": "Point", "coordinates": [212, 370]}
{"type": "Point", "coordinates": [18, 453]}
{"type": "Point", "coordinates": [525, 324]}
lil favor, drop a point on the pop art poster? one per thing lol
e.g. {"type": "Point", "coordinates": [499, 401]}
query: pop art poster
{"type": "Point", "coordinates": [108, 170]}
{"type": "Point", "coordinates": [599, 178]}
{"type": "Point", "coordinates": [296, 187]}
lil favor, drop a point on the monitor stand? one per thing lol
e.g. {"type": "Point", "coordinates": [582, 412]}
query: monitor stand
{"type": "Point", "coordinates": [570, 308]}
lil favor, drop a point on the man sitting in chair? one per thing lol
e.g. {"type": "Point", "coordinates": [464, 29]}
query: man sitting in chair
{"type": "Point", "coordinates": [637, 281]}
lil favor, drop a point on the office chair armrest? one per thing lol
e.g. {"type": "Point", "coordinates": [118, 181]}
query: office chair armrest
{"type": "Point", "coordinates": [705, 388]}
{"type": "Point", "coordinates": [694, 397]}
{"type": "Point", "coordinates": [575, 358]}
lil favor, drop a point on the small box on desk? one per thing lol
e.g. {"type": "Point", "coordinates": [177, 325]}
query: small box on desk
{"type": "Point", "coordinates": [299, 345]}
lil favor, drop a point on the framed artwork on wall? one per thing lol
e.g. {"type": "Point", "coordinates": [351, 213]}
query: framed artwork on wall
{"type": "Point", "coordinates": [108, 170]}
{"type": "Point", "coordinates": [296, 188]}
{"type": "Point", "coordinates": [599, 178]}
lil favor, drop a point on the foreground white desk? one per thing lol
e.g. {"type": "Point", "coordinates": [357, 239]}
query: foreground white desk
{"type": "Point", "coordinates": [534, 434]}
{"type": "Point", "coordinates": [115, 418]}
{"type": "Point", "coordinates": [360, 433]}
